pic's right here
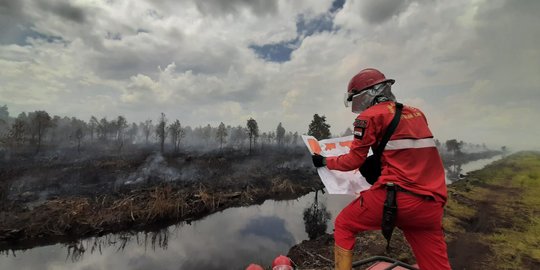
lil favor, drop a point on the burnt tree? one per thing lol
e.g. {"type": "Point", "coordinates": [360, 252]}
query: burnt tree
{"type": "Point", "coordinates": [40, 122]}
{"type": "Point", "coordinates": [161, 131]}
{"type": "Point", "coordinates": [177, 133]}
{"type": "Point", "coordinates": [253, 131]}
{"type": "Point", "coordinates": [221, 134]}
{"type": "Point", "coordinates": [147, 129]}
{"type": "Point", "coordinates": [280, 134]}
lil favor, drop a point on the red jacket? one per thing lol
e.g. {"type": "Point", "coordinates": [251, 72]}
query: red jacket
{"type": "Point", "coordinates": [410, 158]}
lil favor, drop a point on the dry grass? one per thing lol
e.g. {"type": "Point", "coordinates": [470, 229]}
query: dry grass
{"type": "Point", "coordinates": [280, 185]}
{"type": "Point", "coordinates": [82, 216]}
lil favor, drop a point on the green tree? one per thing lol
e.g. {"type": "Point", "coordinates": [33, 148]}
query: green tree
{"type": "Point", "coordinates": [253, 131]}
{"type": "Point", "coordinates": [318, 127]}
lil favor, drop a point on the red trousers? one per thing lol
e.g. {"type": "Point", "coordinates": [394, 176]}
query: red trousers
{"type": "Point", "coordinates": [418, 218]}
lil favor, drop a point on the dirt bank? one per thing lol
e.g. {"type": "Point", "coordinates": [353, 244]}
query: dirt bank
{"type": "Point", "coordinates": [491, 221]}
{"type": "Point", "coordinates": [89, 198]}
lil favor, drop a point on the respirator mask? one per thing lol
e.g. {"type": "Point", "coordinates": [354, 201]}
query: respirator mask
{"type": "Point", "coordinates": [360, 101]}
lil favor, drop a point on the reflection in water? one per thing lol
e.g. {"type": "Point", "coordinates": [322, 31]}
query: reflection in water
{"type": "Point", "coordinates": [272, 228]}
{"type": "Point", "coordinates": [76, 250]}
{"type": "Point", "coordinates": [456, 169]}
{"type": "Point", "coordinates": [225, 240]}
{"type": "Point", "coordinates": [316, 218]}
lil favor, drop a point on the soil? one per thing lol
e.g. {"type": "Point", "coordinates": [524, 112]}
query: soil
{"type": "Point", "coordinates": [319, 253]}
{"type": "Point", "coordinates": [469, 250]}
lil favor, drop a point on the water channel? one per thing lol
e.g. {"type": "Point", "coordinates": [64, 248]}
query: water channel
{"type": "Point", "coordinates": [230, 239]}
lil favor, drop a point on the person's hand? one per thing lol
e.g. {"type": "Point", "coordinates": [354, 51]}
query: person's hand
{"type": "Point", "coordinates": [318, 160]}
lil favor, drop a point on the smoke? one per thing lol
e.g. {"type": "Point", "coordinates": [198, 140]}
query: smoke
{"type": "Point", "coordinates": [294, 165]}
{"type": "Point", "coordinates": [154, 169]}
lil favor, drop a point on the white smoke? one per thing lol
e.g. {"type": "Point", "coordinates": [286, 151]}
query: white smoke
{"type": "Point", "coordinates": [155, 168]}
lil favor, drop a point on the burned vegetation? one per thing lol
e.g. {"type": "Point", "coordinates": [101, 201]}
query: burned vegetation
{"type": "Point", "coordinates": [89, 179]}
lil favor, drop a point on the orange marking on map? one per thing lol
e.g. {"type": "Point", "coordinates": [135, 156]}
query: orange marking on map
{"type": "Point", "coordinates": [314, 146]}
{"type": "Point", "coordinates": [330, 146]}
{"type": "Point", "coordinates": [346, 144]}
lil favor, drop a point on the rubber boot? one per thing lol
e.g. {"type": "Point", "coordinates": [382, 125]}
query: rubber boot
{"type": "Point", "coordinates": [343, 258]}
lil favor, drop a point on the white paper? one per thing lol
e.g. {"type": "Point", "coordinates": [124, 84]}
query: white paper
{"type": "Point", "coordinates": [336, 182]}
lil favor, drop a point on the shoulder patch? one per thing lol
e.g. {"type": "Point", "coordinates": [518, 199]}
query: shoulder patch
{"type": "Point", "coordinates": [358, 123]}
{"type": "Point", "coordinates": [360, 126]}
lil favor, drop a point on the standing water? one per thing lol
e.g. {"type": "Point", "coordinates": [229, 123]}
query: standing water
{"type": "Point", "coordinates": [454, 172]}
{"type": "Point", "coordinates": [230, 239]}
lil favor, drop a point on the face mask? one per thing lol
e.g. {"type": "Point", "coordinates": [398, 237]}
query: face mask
{"type": "Point", "coordinates": [369, 97]}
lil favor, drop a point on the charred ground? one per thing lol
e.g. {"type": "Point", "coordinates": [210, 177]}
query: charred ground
{"type": "Point", "coordinates": [58, 200]}
{"type": "Point", "coordinates": [64, 194]}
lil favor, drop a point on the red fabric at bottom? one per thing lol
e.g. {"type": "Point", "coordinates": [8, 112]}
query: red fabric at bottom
{"type": "Point", "coordinates": [419, 219]}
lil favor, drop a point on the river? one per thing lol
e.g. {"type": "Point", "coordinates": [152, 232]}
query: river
{"type": "Point", "coordinates": [230, 239]}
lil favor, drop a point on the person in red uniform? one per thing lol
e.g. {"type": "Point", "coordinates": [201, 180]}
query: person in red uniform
{"type": "Point", "coordinates": [410, 161]}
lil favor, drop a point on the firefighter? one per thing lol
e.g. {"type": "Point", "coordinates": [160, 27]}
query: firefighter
{"type": "Point", "coordinates": [411, 168]}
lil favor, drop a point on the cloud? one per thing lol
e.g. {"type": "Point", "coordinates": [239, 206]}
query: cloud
{"type": "Point", "coordinates": [64, 10]}
{"type": "Point", "coordinates": [222, 7]}
{"type": "Point", "coordinates": [13, 22]}
{"type": "Point", "coordinates": [379, 11]}
{"type": "Point", "coordinates": [467, 64]}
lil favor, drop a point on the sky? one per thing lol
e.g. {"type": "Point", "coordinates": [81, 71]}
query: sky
{"type": "Point", "coordinates": [473, 66]}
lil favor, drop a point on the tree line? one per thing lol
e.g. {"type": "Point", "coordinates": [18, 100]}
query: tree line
{"type": "Point", "coordinates": [34, 130]}
{"type": "Point", "coordinates": [38, 129]}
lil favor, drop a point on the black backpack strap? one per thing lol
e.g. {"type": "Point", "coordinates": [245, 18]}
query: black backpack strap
{"type": "Point", "coordinates": [390, 130]}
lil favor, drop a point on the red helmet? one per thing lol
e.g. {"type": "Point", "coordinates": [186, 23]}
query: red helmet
{"type": "Point", "coordinates": [281, 263]}
{"type": "Point", "coordinates": [366, 78]}
{"type": "Point", "coordinates": [254, 267]}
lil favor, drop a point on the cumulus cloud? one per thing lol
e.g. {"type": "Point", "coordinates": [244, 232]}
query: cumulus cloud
{"type": "Point", "coordinates": [378, 11]}
{"type": "Point", "coordinates": [218, 7]}
{"type": "Point", "coordinates": [14, 25]}
{"type": "Point", "coordinates": [471, 65]}
{"type": "Point", "coordinates": [65, 10]}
